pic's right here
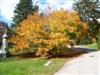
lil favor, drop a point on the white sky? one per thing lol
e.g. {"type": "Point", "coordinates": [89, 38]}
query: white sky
{"type": "Point", "coordinates": [7, 7]}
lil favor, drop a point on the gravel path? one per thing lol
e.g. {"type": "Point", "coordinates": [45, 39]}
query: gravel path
{"type": "Point", "coordinates": [87, 64]}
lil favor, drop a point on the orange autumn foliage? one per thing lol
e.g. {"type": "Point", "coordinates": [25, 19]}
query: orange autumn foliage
{"type": "Point", "coordinates": [48, 34]}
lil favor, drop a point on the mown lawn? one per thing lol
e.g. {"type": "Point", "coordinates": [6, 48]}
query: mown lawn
{"type": "Point", "coordinates": [92, 46]}
{"type": "Point", "coordinates": [30, 66]}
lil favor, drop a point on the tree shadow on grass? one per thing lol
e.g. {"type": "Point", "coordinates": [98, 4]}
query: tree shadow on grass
{"type": "Point", "coordinates": [18, 57]}
{"type": "Point", "coordinates": [69, 53]}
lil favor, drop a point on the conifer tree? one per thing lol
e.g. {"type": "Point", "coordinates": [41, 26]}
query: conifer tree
{"type": "Point", "coordinates": [22, 10]}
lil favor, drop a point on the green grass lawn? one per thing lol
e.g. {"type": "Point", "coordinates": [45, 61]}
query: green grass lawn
{"type": "Point", "coordinates": [30, 66]}
{"type": "Point", "coordinates": [92, 46]}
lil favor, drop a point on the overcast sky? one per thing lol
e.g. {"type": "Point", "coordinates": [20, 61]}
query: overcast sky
{"type": "Point", "coordinates": [7, 7]}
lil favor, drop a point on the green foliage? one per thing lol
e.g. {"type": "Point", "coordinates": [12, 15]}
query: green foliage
{"type": "Point", "coordinates": [94, 26]}
{"type": "Point", "coordinates": [87, 9]}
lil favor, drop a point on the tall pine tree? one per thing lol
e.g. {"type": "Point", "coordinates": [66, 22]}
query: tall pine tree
{"type": "Point", "coordinates": [22, 10]}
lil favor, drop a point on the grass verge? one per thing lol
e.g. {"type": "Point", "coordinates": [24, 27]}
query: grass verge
{"type": "Point", "coordinates": [92, 46]}
{"type": "Point", "coordinates": [30, 66]}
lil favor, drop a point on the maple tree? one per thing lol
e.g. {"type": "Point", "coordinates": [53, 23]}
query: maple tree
{"type": "Point", "coordinates": [48, 35]}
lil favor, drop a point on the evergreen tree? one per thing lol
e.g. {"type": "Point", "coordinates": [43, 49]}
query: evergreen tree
{"type": "Point", "coordinates": [87, 9]}
{"type": "Point", "coordinates": [22, 10]}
